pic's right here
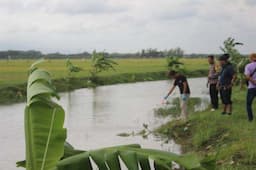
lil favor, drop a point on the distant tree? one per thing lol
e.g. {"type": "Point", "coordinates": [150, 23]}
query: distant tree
{"type": "Point", "coordinates": [71, 67]}
{"type": "Point", "coordinates": [229, 46]}
{"type": "Point", "coordinates": [173, 63]}
{"type": "Point", "coordinates": [100, 62]}
{"type": "Point", "coordinates": [176, 52]}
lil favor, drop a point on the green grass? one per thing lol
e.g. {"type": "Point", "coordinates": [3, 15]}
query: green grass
{"type": "Point", "coordinates": [15, 71]}
{"type": "Point", "coordinates": [13, 74]}
{"type": "Point", "coordinates": [232, 137]}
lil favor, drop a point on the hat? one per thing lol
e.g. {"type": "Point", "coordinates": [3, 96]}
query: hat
{"type": "Point", "coordinates": [253, 56]}
{"type": "Point", "coordinates": [224, 57]}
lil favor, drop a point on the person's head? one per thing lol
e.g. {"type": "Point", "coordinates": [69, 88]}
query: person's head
{"type": "Point", "coordinates": [211, 59]}
{"type": "Point", "coordinates": [224, 59]}
{"type": "Point", "coordinates": [253, 57]}
{"type": "Point", "coordinates": [172, 74]}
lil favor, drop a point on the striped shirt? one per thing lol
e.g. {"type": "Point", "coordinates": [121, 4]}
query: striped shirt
{"type": "Point", "coordinates": [213, 74]}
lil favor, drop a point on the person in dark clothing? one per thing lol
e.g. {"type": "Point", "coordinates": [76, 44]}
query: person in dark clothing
{"type": "Point", "coordinates": [225, 83]}
{"type": "Point", "coordinates": [212, 83]}
{"type": "Point", "coordinates": [250, 73]}
{"type": "Point", "coordinates": [180, 81]}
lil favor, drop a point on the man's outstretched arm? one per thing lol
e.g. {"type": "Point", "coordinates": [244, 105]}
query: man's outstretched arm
{"type": "Point", "coordinates": [170, 92]}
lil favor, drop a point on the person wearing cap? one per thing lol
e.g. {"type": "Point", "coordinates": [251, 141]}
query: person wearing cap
{"type": "Point", "coordinates": [212, 83]}
{"type": "Point", "coordinates": [180, 81]}
{"type": "Point", "coordinates": [250, 73]}
{"type": "Point", "coordinates": [226, 80]}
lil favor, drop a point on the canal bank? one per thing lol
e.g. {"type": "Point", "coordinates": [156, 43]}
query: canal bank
{"type": "Point", "coordinates": [231, 139]}
{"type": "Point", "coordinates": [17, 93]}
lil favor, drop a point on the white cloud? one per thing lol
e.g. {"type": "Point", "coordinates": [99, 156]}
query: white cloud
{"type": "Point", "coordinates": [78, 25]}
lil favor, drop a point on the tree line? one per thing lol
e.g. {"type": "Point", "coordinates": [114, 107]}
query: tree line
{"type": "Point", "coordinates": [144, 53]}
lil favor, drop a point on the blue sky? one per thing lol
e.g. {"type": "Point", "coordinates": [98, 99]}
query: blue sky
{"type": "Point", "coordinates": [197, 26]}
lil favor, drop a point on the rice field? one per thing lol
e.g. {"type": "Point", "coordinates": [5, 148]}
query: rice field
{"type": "Point", "coordinates": [15, 71]}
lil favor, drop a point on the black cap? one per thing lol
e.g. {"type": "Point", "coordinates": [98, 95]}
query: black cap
{"type": "Point", "coordinates": [224, 57]}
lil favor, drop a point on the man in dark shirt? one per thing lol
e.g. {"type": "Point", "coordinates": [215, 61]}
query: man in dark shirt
{"type": "Point", "coordinates": [182, 83]}
{"type": "Point", "coordinates": [226, 81]}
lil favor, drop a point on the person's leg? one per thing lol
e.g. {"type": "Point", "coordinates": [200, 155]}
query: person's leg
{"type": "Point", "coordinates": [215, 96]}
{"type": "Point", "coordinates": [229, 109]}
{"type": "Point", "coordinates": [225, 109]}
{"type": "Point", "coordinates": [223, 99]}
{"type": "Point", "coordinates": [186, 106]}
{"type": "Point", "coordinates": [211, 90]}
{"type": "Point", "coordinates": [249, 100]}
{"type": "Point", "coordinates": [183, 107]}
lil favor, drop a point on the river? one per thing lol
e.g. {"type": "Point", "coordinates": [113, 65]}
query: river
{"type": "Point", "coordinates": [94, 117]}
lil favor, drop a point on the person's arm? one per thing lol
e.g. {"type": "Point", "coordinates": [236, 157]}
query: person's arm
{"type": "Point", "coordinates": [233, 77]}
{"type": "Point", "coordinates": [170, 92]}
{"type": "Point", "coordinates": [249, 78]}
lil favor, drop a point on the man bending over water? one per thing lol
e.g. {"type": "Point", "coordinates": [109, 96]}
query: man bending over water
{"type": "Point", "coordinates": [180, 81]}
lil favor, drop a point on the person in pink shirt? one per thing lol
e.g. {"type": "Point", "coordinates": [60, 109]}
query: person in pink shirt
{"type": "Point", "coordinates": [250, 73]}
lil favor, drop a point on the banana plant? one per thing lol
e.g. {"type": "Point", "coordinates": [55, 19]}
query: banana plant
{"type": "Point", "coordinates": [173, 63]}
{"type": "Point", "coordinates": [71, 67]}
{"type": "Point", "coordinates": [240, 71]}
{"type": "Point", "coordinates": [229, 46]}
{"type": "Point", "coordinates": [44, 119]}
{"type": "Point", "coordinates": [100, 62]}
{"type": "Point", "coordinates": [46, 148]}
{"type": "Point", "coordinates": [134, 158]}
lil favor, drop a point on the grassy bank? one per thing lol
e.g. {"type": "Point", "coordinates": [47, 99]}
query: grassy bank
{"type": "Point", "coordinates": [13, 74]}
{"type": "Point", "coordinates": [231, 138]}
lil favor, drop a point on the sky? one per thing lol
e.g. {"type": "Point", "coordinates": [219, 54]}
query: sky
{"type": "Point", "coordinates": [73, 26]}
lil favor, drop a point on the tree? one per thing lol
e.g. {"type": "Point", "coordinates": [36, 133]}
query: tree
{"type": "Point", "coordinates": [173, 63]}
{"type": "Point", "coordinates": [100, 62]}
{"type": "Point", "coordinates": [235, 57]}
{"type": "Point", "coordinates": [71, 67]}
{"type": "Point", "coordinates": [230, 48]}
{"type": "Point", "coordinates": [176, 52]}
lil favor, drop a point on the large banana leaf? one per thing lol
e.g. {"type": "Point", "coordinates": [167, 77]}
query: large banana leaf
{"type": "Point", "coordinates": [133, 157]}
{"type": "Point", "coordinates": [44, 119]}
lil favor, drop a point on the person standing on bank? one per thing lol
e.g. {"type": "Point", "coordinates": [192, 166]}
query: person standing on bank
{"type": "Point", "coordinates": [180, 81]}
{"type": "Point", "coordinates": [250, 73]}
{"type": "Point", "coordinates": [212, 83]}
{"type": "Point", "coordinates": [225, 83]}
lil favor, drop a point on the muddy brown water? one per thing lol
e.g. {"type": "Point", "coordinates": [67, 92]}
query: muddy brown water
{"type": "Point", "coordinates": [94, 117]}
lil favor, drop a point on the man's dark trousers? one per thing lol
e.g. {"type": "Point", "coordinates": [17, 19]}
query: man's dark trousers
{"type": "Point", "coordinates": [214, 96]}
{"type": "Point", "coordinates": [251, 94]}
